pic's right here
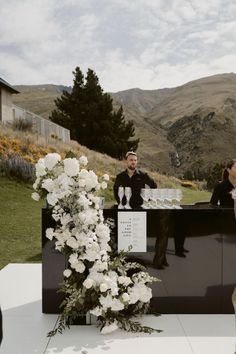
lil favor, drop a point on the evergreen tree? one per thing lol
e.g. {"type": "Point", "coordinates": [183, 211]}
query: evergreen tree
{"type": "Point", "coordinates": [88, 113]}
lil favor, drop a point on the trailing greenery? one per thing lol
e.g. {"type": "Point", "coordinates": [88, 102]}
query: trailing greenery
{"type": "Point", "coordinates": [88, 113]}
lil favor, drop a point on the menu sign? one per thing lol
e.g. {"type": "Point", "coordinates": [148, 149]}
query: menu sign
{"type": "Point", "coordinates": [132, 230]}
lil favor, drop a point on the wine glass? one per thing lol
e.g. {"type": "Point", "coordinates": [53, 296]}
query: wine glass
{"type": "Point", "coordinates": [121, 194]}
{"type": "Point", "coordinates": [128, 193]}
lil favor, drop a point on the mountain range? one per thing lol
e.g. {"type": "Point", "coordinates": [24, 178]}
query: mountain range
{"type": "Point", "coordinates": [183, 129]}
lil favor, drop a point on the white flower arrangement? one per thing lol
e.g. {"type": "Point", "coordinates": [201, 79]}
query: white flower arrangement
{"type": "Point", "coordinates": [96, 280]}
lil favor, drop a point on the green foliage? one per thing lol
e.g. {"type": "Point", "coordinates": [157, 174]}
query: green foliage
{"type": "Point", "coordinates": [214, 175]}
{"type": "Point", "coordinates": [88, 113]}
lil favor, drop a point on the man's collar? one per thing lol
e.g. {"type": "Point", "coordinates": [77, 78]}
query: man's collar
{"type": "Point", "coordinates": [136, 172]}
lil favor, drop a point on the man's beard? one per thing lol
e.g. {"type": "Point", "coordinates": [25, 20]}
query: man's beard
{"type": "Point", "coordinates": [132, 168]}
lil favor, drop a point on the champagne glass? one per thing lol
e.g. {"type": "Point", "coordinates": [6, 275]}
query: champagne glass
{"type": "Point", "coordinates": [179, 196]}
{"type": "Point", "coordinates": [145, 193]}
{"type": "Point", "coordinates": [153, 199]}
{"type": "Point", "coordinates": [121, 194]}
{"type": "Point", "coordinates": [159, 200]}
{"type": "Point", "coordinates": [128, 193]}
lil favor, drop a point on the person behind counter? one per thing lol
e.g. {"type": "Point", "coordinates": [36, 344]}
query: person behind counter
{"type": "Point", "coordinates": [221, 194]}
{"type": "Point", "coordinates": [134, 178]}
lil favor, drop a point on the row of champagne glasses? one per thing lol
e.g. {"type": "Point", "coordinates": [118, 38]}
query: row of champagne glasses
{"type": "Point", "coordinates": [161, 198]}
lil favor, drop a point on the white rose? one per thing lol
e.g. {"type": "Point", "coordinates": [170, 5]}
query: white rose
{"type": "Point", "coordinates": [103, 287]}
{"type": "Point", "coordinates": [125, 297]}
{"type": "Point", "coordinates": [80, 267]}
{"type": "Point", "coordinates": [103, 185]}
{"type": "Point", "coordinates": [106, 177]}
{"type": "Point", "coordinates": [71, 167]}
{"type": "Point", "coordinates": [50, 233]}
{"type": "Point", "coordinates": [35, 196]}
{"type": "Point", "coordinates": [51, 160]}
{"type": "Point", "coordinates": [67, 273]}
{"type": "Point", "coordinates": [83, 160]}
{"type": "Point", "coordinates": [88, 283]}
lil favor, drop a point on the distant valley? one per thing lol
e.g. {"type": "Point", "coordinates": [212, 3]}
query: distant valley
{"type": "Point", "coordinates": [187, 128]}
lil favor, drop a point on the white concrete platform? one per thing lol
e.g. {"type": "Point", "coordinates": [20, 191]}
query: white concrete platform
{"type": "Point", "coordinates": [25, 327]}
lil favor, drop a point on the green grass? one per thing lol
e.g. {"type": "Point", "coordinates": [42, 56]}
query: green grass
{"type": "Point", "coordinates": [191, 196]}
{"type": "Point", "coordinates": [20, 220]}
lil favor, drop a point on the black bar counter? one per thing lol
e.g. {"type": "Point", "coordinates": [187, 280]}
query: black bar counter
{"type": "Point", "coordinates": [201, 282]}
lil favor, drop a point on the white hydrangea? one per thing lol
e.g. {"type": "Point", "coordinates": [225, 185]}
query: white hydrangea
{"type": "Point", "coordinates": [40, 168]}
{"type": "Point", "coordinates": [71, 167]}
{"type": "Point", "coordinates": [51, 160]}
{"type": "Point", "coordinates": [48, 184]}
{"type": "Point", "coordinates": [124, 280]}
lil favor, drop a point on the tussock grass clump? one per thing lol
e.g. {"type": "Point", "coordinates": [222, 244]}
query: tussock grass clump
{"type": "Point", "coordinates": [15, 166]}
{"type": "Point", "coordinates": [22, 124]}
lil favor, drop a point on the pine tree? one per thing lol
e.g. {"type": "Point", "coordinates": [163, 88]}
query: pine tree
{"type": "Point", "coordinates": [88, 113]}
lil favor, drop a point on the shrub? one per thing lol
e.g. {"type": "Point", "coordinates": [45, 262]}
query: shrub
{"type": "Point", "coordinates": [22, 124]}
{"type": "Point", "coordinates": [15, 166]}
{"type": "Point", "coordinates": [189, 184]}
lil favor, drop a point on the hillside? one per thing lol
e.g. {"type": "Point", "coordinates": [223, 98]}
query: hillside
{"type": "Point", "coordinates": [173, 125]}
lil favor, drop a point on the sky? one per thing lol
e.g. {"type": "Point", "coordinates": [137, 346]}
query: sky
{"type": "Point", "coordinates": [147, 44]}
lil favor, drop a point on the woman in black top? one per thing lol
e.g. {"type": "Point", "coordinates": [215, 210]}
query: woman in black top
{"type": "Point", "coordinates": [222, 191]}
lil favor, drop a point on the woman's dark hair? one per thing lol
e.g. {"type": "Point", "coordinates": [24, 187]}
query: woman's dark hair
{"type": "Point", "coordinates": [229, 165]}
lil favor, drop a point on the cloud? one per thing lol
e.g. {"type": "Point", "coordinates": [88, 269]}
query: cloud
{"type": "Point", "coordinates": [144, 43]}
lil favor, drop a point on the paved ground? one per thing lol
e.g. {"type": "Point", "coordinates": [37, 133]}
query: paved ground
{"type": "Point", "coordinates": [25, 327]}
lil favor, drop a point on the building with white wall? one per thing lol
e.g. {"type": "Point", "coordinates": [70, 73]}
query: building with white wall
{"type": "Point", "coordinates": [6, 92]}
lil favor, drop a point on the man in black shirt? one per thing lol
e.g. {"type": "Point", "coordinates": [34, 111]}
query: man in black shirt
{"type": "Point", "coordinates": [134, 178]}
{"type": "Point", "coordinates": [222, 191]}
